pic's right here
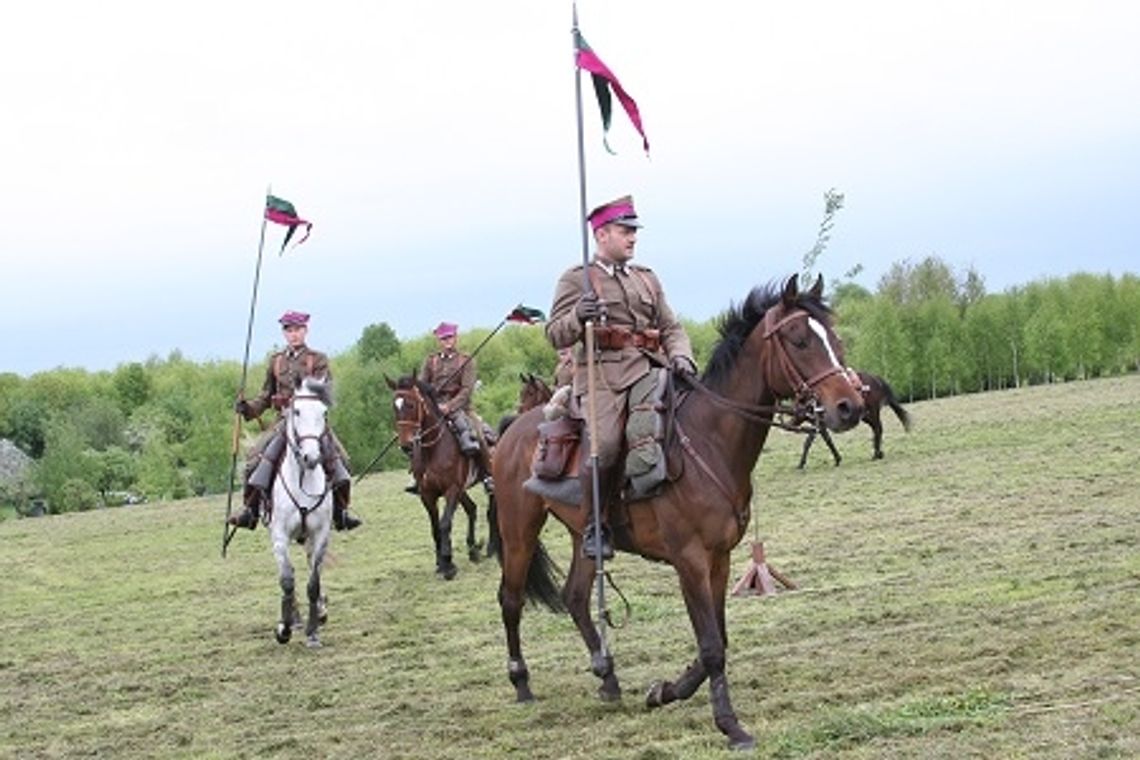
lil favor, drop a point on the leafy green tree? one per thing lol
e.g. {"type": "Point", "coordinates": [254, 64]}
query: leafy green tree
{"type": "Point", "coordinates": [377, 342]}
{"type": "Point", "coordinates": [77, 495]}
{"type": "Point", "coordinates": [133, 386]}
{"type": "Point", "coordinates": [63, 460]}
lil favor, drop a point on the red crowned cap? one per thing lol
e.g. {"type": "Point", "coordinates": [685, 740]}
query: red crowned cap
{"type": "Point", "coordinates": [446, 330]}
{"type": "Point", "coordinates": [619, 211]}
{"type": "Point", "coordinates": [294, 318]}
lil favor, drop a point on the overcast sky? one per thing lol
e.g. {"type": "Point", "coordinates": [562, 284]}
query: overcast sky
{"type": "Point", "coordinates": [433, 146]}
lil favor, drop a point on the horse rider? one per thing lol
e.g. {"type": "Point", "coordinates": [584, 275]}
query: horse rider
{"type": "Point", "coordinates": [451, 374]}
{"type": "Point", "coordinates": [632, 319]}
{"type": "Point", "coordinates": [286, 368]}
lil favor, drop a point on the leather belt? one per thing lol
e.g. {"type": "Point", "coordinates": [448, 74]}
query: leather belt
{"type": "Point", "coordinates": [616, 337]}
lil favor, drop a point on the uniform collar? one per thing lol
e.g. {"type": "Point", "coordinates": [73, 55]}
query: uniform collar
{"type": "Point", "coordinates": [293, 353]}
{"type": "Point", "coordinates": [611, 269]}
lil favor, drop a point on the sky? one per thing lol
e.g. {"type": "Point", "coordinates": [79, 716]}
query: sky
{"type": "Point", "coordinates": [434, 147]}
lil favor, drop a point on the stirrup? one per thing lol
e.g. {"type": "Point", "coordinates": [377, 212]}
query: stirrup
{"type": "Point", "coordinates": [588, 542]}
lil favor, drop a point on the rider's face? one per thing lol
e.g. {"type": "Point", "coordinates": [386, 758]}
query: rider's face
{"type": "Point", "coordinates": [295, 335]}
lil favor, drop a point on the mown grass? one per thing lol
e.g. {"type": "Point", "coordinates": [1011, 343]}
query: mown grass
{"type": "Point", "coordinates": [974, 594]}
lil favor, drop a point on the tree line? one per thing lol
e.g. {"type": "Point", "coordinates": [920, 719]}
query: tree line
{"type": "Point", "coordinates": [162, 429]}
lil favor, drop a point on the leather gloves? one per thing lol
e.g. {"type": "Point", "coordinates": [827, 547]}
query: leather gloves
{"type": "Point", "coordinates": [588, 309]}
{"type": "Point", "coordinates": [683, 365]}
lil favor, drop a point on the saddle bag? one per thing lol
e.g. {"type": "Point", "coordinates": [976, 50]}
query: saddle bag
{"type": "Point", "coordinates": [557, 440]}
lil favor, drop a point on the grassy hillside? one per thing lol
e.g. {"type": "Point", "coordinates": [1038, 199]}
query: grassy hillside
{"type": "Point", "coordinates": [974, 594]}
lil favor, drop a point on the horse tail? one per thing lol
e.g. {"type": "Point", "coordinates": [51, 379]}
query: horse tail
{"type": "Point", "coordinates": [542, 580]}
{"type": "Point", "coordinates": [895, 406]}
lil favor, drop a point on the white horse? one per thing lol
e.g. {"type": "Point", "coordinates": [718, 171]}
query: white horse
{"type": "Point", "coordinates": [302, 505]}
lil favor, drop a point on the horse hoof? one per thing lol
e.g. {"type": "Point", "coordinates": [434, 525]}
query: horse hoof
{"type": "Point", "coordinates": [743, 743]}
{"type": "Point", "coordinates": [450, 572]}
{"type": "Point", "coordinates": [283, 633]}
{"type": "Point", "coordinates": [313, 642]}
{"type": "Point", "coordinates": [655, 696]}
{"type": "Point", "coordinates": [609, 695]}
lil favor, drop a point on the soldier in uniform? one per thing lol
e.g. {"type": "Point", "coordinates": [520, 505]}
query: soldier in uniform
{"type": "Point", "coordinates": [451, 373]}
{"type": "Point", "coordinates": [285, 368]}
{"type": "Point", "coordinates": [627, 304]}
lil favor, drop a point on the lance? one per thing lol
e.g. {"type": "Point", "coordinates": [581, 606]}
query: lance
{"type": "Point", "coordinates": [591, 409]}
{"type": "Point", "coordinates": [445, 381]}
{"type": "Point", "coordinates": [228, 530]}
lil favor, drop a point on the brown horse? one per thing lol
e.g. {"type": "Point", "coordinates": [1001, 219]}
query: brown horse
{"type": "Point", "coordinates": [876, 392]}
{"type": "Point", "coordinates": [440, 469]}
{"type": "Point", "coordinates": [778, 344]}
{"type": "Point", "coordinates": [534, 392]}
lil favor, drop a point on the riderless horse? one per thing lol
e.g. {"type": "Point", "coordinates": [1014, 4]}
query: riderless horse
{"type": "Point", "coordinates": [778, 344]}
{"type": "Point", "coordinates": [876, 393]}
{"type": "Point", "coordinates": [302, 505]}
{"type": "Point", "coordinates": [440, 469]}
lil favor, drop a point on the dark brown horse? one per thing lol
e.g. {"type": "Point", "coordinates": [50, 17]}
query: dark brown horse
{"type": "Point", "coordinates": [876, 392]}
{"type": "Point", "coordinates": [778, 344]}
{"type": "Point", "coordinates": [534, 392]}
{"type": "Point", "coordinates": [440, 469]}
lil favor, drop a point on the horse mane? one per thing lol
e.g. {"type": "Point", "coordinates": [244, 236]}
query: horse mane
{"type": "Point", "coordinates": [738, 321]}
{"type": "Point", "coordinates": [408, 382]}
{"type": "Point", "coordinates": [320, 387]}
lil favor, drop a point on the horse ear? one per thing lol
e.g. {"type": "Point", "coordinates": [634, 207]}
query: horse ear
{"type": "Point", "coordinates": [816, 291]}
{"type": "Point", "coordinates": [522, 378]}
{"type": "Point", "coordinates": [391, 383]}
{"type": "Point", "coordinates": [791, 290]}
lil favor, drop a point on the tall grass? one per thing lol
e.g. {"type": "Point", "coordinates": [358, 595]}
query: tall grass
{"type": "Point", "coordinates": [974, 594]}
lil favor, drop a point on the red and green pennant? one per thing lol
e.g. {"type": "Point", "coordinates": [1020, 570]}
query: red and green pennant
{"type": "Point", "coordinates": [604, 79]}
{"type": "Point", "coordinates": [281, 211]}
{"type": "Point", "coordinates": [526, 314]}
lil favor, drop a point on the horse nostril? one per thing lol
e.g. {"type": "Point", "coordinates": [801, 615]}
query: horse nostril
{"type": "Point", "coordinates": [846, 412]}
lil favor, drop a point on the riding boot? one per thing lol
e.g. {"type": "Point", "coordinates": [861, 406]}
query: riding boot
{"type": "Point", "coordinates": [251, 509]}
{"type": "Point", "coordinates": [468, 443]}
{"type": "Point", "coordinates": [589, 534]}
{"type": "Point", "coordinates": [259, 477]}
{"type": "Point", "coordinates": [341, 489]}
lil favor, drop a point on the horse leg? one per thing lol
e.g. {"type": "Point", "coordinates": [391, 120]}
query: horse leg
{"type": "Point", "coordinates": [284, 629]}
{"type": "Point", "coordinates": [494, 542]}
{"type": "Point", "coordinates": [317, 547]}
{"type": "Point", "coordinates": [807, 447]}
{"type": "Point", "coordinates": [474, 548]}
{"type": "Point", "coordinates": [831, 445]}
{"type": "Point", "coordinates": [430, 506]}
{"type": "Point", "coordinates": [519, 542]}
{"type": "Point", "coordinates": [577, 596]}
{"type": "Point", "coordinates": [872, 419]}
{"type": "Point", "coordinates": [444, 564]}
{"type": "Point", "coordinates": [704, 585]}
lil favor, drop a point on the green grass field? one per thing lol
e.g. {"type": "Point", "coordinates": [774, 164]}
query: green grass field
{"type": "Point", "coordinates": [974, 594]}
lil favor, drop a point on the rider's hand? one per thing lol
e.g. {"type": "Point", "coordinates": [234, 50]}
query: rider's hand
{"type": "Point", "coordinates": [241, 406]}
{"type": "Point", "coordinates": [588, 309]}
{"type": "Point", "coordinates": [683, 365]}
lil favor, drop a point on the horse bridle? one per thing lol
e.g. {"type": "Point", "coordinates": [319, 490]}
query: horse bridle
{"type": "Point", "coordinates": [803, 388]}
{"type": "Point", "coordinates": [294, 441]}
{"type": "Point", "coordinates": [420, 434]}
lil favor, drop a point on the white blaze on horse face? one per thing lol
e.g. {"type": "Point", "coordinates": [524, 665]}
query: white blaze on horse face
{"type": "Point", "coordinates": [821, 331]}
{"type": "Point", "coordinates": [398, 403]}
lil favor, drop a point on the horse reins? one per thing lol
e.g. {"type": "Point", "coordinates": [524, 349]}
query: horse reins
{"type": "Point", "coordinates": [763, 414]}
{"type": "Point", "coordinates": [420, 434]}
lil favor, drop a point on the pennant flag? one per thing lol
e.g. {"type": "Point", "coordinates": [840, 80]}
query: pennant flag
{"type": "Point", "coordinates": [526, 314]}
{"type": "Point", "coordinates": [281, 211]}
{"type": "Point", "coordinates": [603, 80]}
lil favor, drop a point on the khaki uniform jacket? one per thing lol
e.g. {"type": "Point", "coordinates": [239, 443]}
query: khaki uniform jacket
{"type": "Point", "coordinates": [285, 369]}
{"type": "Point", "coordinates": [439, 366]}
{"type": "Point", "coordinates": [633, 299]}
